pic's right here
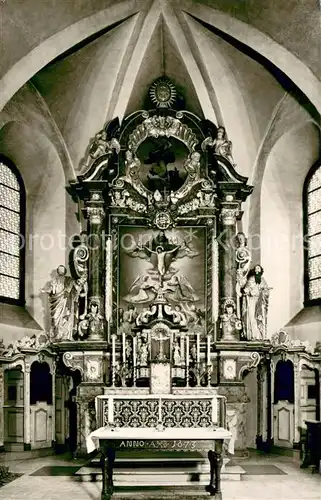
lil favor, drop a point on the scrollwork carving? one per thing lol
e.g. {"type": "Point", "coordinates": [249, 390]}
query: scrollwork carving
{"type": "Point", "coordinates": [281, 339]}
{"type": "Point", "coordinates": [35, 342]}
{"type": "Point", "coordinates": [73, 362]}
{"type": "Point", "coordinates": [162, 126]}
{"type": "Point", "coordinates": [80, 259]}
{"type": "Point", "coordinates": [255, 359]}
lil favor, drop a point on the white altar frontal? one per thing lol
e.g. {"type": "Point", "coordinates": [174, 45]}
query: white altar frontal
{"type": "Point", "coordinates": [161, 422]}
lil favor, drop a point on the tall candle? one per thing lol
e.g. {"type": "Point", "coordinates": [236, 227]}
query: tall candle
{"type": "Point", "coordinates": [109, 280]}
{"type": "Point", "coordinates": [124, 347]}
{"type": "Point", "coordinates": [187, 350]}
{"type": "Point", "coordinates": [208, 349]}
{"type": "Point", "coordinates": [198, 347]}
{"type": "Point", "coordinates": [134, 351]}
{"type": "Point", "coordinates": [113, 350]}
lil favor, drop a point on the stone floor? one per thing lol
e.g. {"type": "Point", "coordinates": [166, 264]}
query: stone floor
{"type": "Point", "coordinates": [294, 484]}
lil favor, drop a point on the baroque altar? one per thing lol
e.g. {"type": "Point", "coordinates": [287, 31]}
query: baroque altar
{"type": "Point", "coordinates": [161, 298]}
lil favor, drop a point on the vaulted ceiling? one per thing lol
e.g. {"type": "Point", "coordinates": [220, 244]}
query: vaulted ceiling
{"type": "Point", "coordinates": [233, 61]}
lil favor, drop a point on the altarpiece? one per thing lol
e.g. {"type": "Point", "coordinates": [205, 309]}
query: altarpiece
{"type": "Point", "coordinates": [161, 298]}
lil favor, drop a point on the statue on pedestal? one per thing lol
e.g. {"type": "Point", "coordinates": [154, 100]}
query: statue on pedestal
{"type": "Point", "coordinates": [243, 260]}
{"type": "Point", "coordinates": [222, 146]}
{"type": "Point", "coordinates": [231, 325]}
{"type": "Point", "coordinates": [255, 304]}
{"type": "Point", "coordinates": [143, 352]}
{"type": "Point", "coordinates": [177, 354]}
{"type": "Point", "coordinates": [63, 292]}
{"type": "Point", "coordinates": [95, 321]}
{"type": "Point", "coordinates": [100, 146]}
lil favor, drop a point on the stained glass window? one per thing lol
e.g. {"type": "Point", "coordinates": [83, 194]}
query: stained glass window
{"type": "Point", "coordinates": [11, 237]}
{"type": "Point", "coordinates": [313, 233]}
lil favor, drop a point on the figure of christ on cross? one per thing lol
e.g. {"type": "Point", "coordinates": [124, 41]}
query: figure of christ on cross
{"type": "Point", "coordinates": [161, 337]}
{"type": "Point", "coordinates": [162, 264]}
{"type": "Point", "coordinates": [160, 253]}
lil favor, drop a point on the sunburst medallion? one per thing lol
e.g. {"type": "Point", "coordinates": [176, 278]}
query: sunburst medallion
{"type": "Point", "coordinates": [162, 92]}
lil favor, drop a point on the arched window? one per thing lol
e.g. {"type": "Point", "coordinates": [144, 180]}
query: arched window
{"type": "Point", "coordinates": [12, 233]}
{"type": "Point", "coordinates": [312, 227]}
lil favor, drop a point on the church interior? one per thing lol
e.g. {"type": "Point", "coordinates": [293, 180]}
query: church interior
{"type": "Point", "coordinates": [160, 235]}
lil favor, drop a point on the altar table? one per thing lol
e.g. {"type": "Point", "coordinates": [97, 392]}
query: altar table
{"type": "Point", "coordinates": [109, 440]}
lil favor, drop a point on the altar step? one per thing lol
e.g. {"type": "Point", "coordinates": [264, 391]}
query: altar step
{"type": "Point", "coordinates": [165, 470]}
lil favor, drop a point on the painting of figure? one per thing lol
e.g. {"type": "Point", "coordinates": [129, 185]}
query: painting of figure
{"type": "Point", "coordinates": [162, 164]}
{"type": "Point", "coordinates": [157, 264]}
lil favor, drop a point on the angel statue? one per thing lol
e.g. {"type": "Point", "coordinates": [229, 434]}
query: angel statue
{"type": "Point", "coordinates": [222, 146]}
{"type": "Point", "coordinates": [63, 292]}
{"type": "Point", "coordinates": [230, 324]}
{"type": "Point", "coordinates": [255, 305]}
{"type": "Point", "coordinates": [101, 146]}
{"type": "Point", "coordinates": [243, 260]}
{"type": "Point", "coordinates": [132, 165]}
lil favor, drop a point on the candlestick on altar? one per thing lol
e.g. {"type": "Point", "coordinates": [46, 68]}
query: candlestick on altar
{"type": "Point", "coordinates": [113, 358]}
{"type": "Point", "coordinates": [134, 359]}
{"type": "Point", "coordinates": [208, 350]}
{"type": "Point", "coordinates": [187, 361]}
{"type": "Point", "coordinates": [198, 348]}
{"type": "Point", "coordinates": [113, 350]}
{"type": "Point", "coordinates": [124, 347]}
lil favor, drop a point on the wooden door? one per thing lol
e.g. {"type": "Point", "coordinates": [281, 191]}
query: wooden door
{"type": "Point", "coordinates": [284, 424]}
{"type": "Point", "coordinates": [41, 425]}
{"type": "Point", "coordinates": [13, 410]}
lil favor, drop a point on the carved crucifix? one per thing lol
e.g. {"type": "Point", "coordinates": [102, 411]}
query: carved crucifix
{"type": "Point", "coordinates": [161, 336]}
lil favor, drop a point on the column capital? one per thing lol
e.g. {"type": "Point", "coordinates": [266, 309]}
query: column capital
{"type": "Point", "coordinates": [228, 215]}
{"type": "Point", "coordinates": [95, 214]}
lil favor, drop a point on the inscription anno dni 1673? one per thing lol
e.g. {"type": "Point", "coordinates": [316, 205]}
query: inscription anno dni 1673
{"type": "Point", "coordinates": [162, 444]}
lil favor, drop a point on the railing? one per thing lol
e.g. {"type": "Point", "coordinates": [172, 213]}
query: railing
{"type": "Point", "coordinates": [161, 410]}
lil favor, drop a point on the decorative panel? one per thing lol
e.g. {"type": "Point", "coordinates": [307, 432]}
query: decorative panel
{"type": "Point", "coordinates": [284, 424]}
{"type": "Point", "coordinates": [102, 408]}
{"type": "Point", "coordinates": [15, 424]}
{"type": "Point", "coordinates": [160, 378]}
{"type": "Point", "coordinates": [40, 425]}
{"type": "Point", "coordinates": [136, 413]}
{"type": "Point", "coordinates": [187, 413]}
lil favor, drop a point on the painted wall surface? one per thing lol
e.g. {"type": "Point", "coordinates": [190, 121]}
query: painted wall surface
{"type": "Point", "coordinates": [281, 237]}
